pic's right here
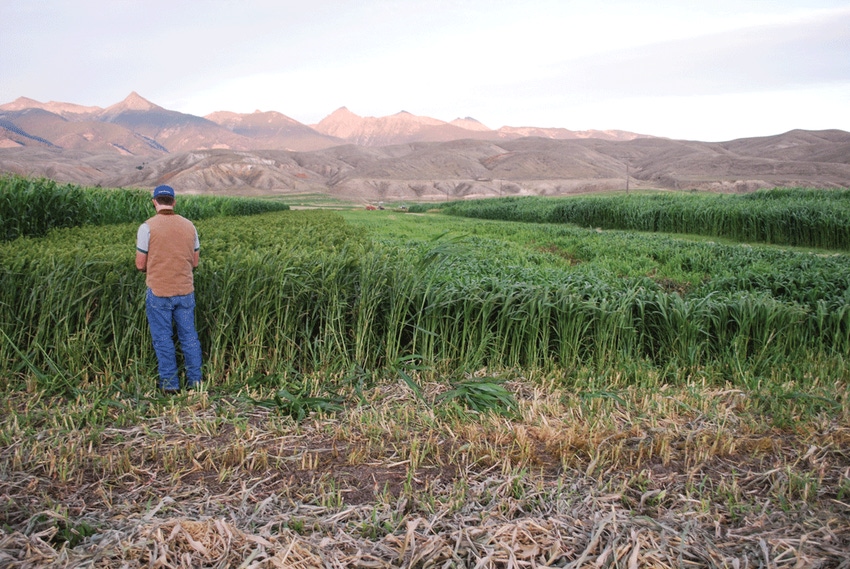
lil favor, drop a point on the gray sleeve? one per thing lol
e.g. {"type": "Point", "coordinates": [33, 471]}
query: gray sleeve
{"type": "Point", "coordinates": [143, 238]}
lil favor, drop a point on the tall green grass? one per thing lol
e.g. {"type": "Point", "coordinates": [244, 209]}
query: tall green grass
{"type": "Point", "coordinates": [292, 293]}
{"type": "Point", "coordinates": [797, 217]}
{"type": "Point", "coordinates": [32, 207]}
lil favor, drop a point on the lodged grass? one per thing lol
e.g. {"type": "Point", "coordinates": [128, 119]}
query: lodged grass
{"type": "Point", "coordinates": [299, 292]}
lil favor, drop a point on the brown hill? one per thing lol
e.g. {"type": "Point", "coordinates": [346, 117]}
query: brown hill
{"type": "Point", "coordinates": [138, 143]}
{"type": "Point", "coordinates": [61, 109]}
{"type": "Point", "coordinates": [399, 128]}
{"type": "Point", "coordinates": [40, 127]}
{"type": "Point", "coordinates": [149, 130]}
{"type": "Point", "coordinates": [404, 127]}
{"type": "Point", "coordinates": [464, 168]}
{"type": "Point", "coordinates": [274, 130]}
{"type": "Point", "coordinates": [796, 145]}
{"type": "Point", "coordinates": [470, 123]}
{"type": "Point", "coordinates": [173, 131]}
{"type": "Point", "coordinates": [566, 134]}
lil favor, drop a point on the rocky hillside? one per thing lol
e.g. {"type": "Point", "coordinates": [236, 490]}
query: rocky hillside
{"type": "Point", "coordinates": [400, 157]}
{"type": "Point", "coordinates": [137, 127]}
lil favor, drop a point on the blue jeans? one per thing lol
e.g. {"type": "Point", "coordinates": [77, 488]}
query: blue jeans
{"type": "Point", "coordinates": [163, 313]}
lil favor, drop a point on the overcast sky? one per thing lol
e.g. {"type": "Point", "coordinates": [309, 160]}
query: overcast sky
{"type": "Point", "coordinates": [684, 69]}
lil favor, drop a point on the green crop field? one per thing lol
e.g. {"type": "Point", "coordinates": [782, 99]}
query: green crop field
{"type": "Point", "coordinates": [617, 381]}
{"type": "Point", "coordinates": [803, 217]}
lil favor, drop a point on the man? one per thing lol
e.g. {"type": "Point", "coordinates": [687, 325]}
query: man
{"type": "Point", "coordinates": [167, 250]}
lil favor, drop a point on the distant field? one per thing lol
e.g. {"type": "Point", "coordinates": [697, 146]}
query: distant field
{"type": "Point", "coordinates": [396, 389]}
{"type": "Point", "coordinates": [796, 216]}
{"type": "Point", "coordinates": [319, 201]}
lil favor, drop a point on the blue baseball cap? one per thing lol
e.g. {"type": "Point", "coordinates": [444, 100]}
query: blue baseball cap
{"type": "Point", "coordinates": [163, 191]}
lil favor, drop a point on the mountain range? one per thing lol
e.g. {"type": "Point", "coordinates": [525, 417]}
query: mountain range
{"type": "Point", "coordinates": [403, 156]}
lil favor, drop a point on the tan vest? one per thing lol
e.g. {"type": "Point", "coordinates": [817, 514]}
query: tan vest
{"type": "Point", "coordinates": [171, 253]}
